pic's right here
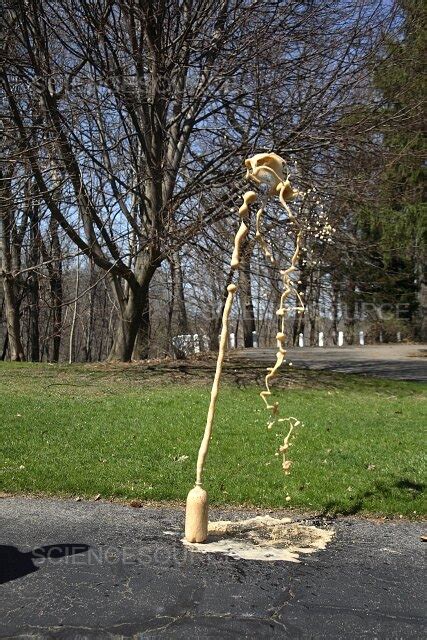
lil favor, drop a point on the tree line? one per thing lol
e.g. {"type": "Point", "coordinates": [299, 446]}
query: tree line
{"type": "Point", "coordinates": [126, 124]}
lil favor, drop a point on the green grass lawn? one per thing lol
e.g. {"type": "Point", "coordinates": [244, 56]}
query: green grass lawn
{"type": "Point", "coordinates": [88, 430]}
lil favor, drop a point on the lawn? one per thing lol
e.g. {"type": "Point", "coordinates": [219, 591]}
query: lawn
{"type": "Point", "coordinates": [88, 430]}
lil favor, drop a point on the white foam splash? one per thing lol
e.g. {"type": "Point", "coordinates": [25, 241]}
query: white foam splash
{"type": "Point", "coordinates": [262, 538]}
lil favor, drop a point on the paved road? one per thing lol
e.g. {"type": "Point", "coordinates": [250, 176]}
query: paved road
{"type": "Point", "coordinates": [398, 362]}
{"type": "Point", "coordinates": [116, 574]}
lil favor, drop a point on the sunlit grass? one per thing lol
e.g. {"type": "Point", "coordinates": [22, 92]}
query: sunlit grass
{"type": "Point", "coordinates": [86, 431]}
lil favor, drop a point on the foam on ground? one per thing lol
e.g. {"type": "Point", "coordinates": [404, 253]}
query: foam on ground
{"type": "Point", "coordinates": [262, 538]}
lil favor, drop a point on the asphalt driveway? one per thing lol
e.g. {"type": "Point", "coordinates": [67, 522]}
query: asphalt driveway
{"type": "Point", "coordinates": [394, 361]}
{"type": "Point", "coordinates": [97, 570]}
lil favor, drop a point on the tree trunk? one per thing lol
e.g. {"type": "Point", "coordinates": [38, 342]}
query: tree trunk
{"type": "Point", "coordinates": [5, 347]}
{"type": "Point", "coordinates": [3, 330]}
{"type": "Point", "coordinates": [56, 292]}
{"type": "Point", "coordinates": [132, 334]}
{"type": "Point", "coordinates": [245, 296]}
{"type": "Point", "coordinates": [299, 319]}
{"type": "Point", "coordinates": [135, 316]}
{"type": "Point", "coordinates": [104, 324]}
{"type": "Point", "coordinates": [214, 329]}
{"type": "Point", "coordinates": [422, 294]}
{"type": "Point", "coordinates": [12, 320]}
{"type": "Point", "coordinates": [177, 321]}
{"type": "Point", "coordinates": [72, 350]}
{"type": "Point", "coordinates": [312, 337]}
{"type": "Point", "coordinates": [89, 332]}
{"type": "Point", "coordinates": [56, 295]}
{"type": "Point", "coordinates": [34, 312]}
{"type": "Point", "coordinates": [423, 310]}
{"type": "Point", "coordinates": [53, 259]}
{"type": "Point", "coordinates": [142, 343]}
{"type": "Point", "coordinates": [299, 327]}
{"type": "Point", "coordinates": [350, 311]}
{"type": "Point", "coordinates": [178, 298]}
{"type": "Point", "coordinates": [313, 307]}
{"type": "Point", "coordinates": [33, 286]}
{"type": "Point", "coordinates": [334, 302]}
{"type": "Point", "coordinates": [9, 246]}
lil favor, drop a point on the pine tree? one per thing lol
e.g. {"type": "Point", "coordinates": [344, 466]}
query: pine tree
{"type": "Point", "coordinates": [397, 229]}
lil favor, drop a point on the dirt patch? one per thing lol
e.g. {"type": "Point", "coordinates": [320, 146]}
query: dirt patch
{"type": "Point", "coordinates": [420, 353]}
{"type": "Point", "coordinates": [200, 370]}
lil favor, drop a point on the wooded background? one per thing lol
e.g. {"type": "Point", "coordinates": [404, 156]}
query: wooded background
{"type": "Point", "coordinates": [125, 128]}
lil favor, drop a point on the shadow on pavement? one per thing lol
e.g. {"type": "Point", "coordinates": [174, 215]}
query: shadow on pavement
{"type": "Point", "coordinates": [16, 564]}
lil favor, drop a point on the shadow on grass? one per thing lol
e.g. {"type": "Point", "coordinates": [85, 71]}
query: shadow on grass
{"type": "Point", "coordinates": [406, 488]}
{"type": "Point", "coordinates": [16, 564]}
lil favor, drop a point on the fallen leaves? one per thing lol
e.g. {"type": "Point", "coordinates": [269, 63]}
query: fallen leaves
{"type": "Point", "coordinates": [136, 504]}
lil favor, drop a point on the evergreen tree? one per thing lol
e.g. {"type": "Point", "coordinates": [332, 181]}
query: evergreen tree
{"type": "Point", "coordinates": [395, 231]}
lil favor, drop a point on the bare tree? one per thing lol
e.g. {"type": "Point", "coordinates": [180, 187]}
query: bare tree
{"type": "Point", "coordinates": [12, 230]}
{"type": "Point", "coordinates": [134, 117]}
